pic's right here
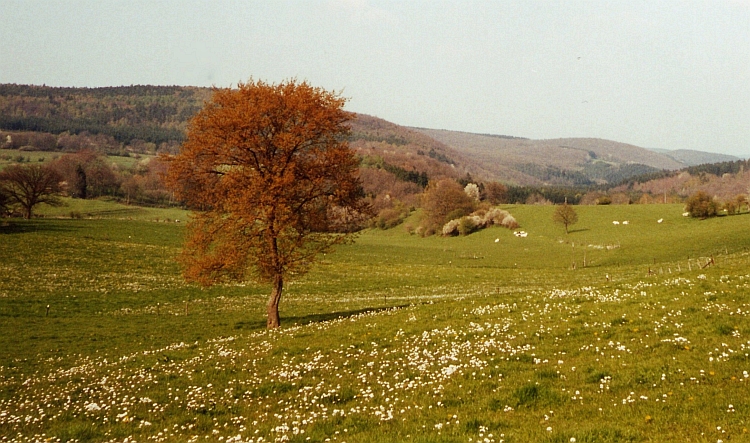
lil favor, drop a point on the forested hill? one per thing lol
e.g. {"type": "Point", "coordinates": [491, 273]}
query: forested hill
{"type": "Point", "coordinates": [146, 114]}
{"type": "Point", "coordinates": [142, 119]}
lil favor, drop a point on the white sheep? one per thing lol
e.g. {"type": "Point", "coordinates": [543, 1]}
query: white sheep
{"type": "Point", "coordinates": [660, 220]}
{"type": "Point", "coordinates": [625, 222]}
{"type": "Point", "coordinates": [615, 222]}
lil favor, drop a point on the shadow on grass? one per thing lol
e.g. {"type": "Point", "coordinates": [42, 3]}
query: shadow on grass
{"type": "Point", "coordinates": [20, 226]}
{"type": "Point", "coordinates": [578, 230]}
{"type": "Point", "coordinates": [313, 318]}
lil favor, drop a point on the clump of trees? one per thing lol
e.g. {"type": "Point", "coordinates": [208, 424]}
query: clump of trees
{"type": "Point", "coordinates": [452, 209]}
{"type": "Point", "coordinates": [442, 201]}
{"type": "Point", "coordinates": [701, 205]}
{"type": "Point", "coordinates": [495, 193]}
{"type": "Point", "coordinates": [273, 183]}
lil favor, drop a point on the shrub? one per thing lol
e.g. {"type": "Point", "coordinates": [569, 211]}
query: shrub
{"type": "Point", "coordinates": [495, 216]}
{"type": "Point", "coordinates": [469, 224]}
{"type": "Point", "coordinates": [451, 228]}
{"type": "Point", "coordinates": [465, 225]}
{"type": "Point", "coordinates": [700, 205]}
{"type": "Point", "coordinates": [509, 222]}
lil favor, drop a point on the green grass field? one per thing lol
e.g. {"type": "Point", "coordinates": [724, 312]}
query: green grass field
{"type": "Point", "coordinates": [17, 156]}
{"type": "Point", "coordinates": [611, 333]}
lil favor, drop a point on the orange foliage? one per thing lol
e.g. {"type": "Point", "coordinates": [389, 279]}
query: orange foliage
{"type": "Point", "coordinates": [273, 180]}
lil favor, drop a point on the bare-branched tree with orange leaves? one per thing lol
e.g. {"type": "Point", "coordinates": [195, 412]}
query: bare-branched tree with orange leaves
{"type": "Point", "coordinates": [272, 182]}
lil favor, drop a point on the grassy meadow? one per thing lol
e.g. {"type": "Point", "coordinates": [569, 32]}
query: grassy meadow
{"type": "Point", "coordinates": [611, 333]}
{"type": "Point", "coordinates": [17, 156]}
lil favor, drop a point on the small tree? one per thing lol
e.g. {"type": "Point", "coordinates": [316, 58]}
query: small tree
{"type": "Point", "coordinates": [700, 205]}
{"type": "Point", "coordinates": [472, 190]}
{"type": "Point", "coordinates": [273, 182]}
{"type": "Point", "coordinates": [28, 186]}
{"type": "Point", "coordinates": [565, 215]}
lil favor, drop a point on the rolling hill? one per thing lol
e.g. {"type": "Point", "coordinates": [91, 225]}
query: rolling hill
{"type": "Point", "coordinates": [690, 157]}
{"type": "Point", "coordinates": [569, 161]}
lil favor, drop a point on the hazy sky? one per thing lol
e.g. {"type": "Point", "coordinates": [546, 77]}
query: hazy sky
{"type": "Point", "coordinates": [659, 74]}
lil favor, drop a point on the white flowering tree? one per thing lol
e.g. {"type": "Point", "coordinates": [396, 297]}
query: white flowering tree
{"type": "Point", "coordinates": [472, 190]}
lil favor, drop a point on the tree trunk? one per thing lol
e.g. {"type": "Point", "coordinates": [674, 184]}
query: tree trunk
{"type": "Point", "coordinates": [273, 303]}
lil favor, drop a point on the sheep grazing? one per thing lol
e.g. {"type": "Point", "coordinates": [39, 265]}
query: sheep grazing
{"type": "Point", "coordinates": [660, 220]}
{"type": "Point", "coordinates": [625, 222]}
{"type": "Point", "coordinates": [521, 234]}
{"type": "Point", "coordinates": [686, 214]}
{"type": "Point", "coordinates": [615, 222]}
{"type": "Point", "coordinates": [497, 240]}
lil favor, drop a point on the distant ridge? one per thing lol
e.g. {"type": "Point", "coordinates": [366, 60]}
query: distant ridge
{"type": "Point", "coordinates": [559, 162]}
{"type": "Point", "coordinates": [690, 157]}
{"type": "Point", "coordinates": [508, 137]}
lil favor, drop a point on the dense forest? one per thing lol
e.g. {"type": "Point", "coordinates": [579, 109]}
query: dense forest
{"type": "Point", "coordinates": [138, 117]}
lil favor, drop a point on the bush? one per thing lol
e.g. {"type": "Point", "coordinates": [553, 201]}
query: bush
{"type": "Point", "coordinates": [509, 222]}
{"type": "Point", "coordinates": [469, 224]}
{"type": "Point", "coordinates": [495, 216]}
{"type": "Point", "coordinates": [480, 219]}
{"type": "Point", "coordinates": [451, 228]}
{"type": "Point", "coordinates": [700, 205]}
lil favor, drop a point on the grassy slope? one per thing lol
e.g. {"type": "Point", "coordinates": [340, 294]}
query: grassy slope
{"type": "Point", "coordinates": [480, 339]}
